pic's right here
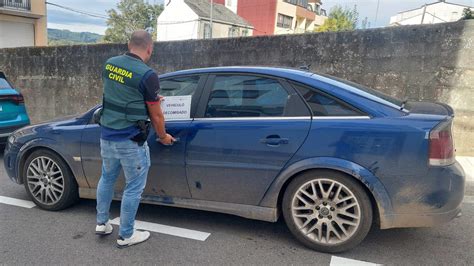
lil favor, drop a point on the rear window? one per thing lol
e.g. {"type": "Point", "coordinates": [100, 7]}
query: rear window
{"type": "Point", "coordinates": [322, 104]}
{"type": "Point", "coordinates": [366, 89]}
{"type": "Point", "coordinates": [4, 84]}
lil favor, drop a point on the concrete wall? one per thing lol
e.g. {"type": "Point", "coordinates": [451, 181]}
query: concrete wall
{"type": "Point", "coordinates": [430, 62]}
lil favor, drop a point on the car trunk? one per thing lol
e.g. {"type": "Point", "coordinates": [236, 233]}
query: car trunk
{"type": "Point", "coordinates": [9, 104]}
{"type": "Point", "coordinates": [432, 108]}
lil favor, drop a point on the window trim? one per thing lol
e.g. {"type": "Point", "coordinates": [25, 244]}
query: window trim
{"type": "Point", "coordinates": [202, 106]}
{"type": "Point", "coordinates": [282, 25]}
{"type": "Point", "coordinates": [362, 114]}
{"type": "Point", "coordinates": [206, 27]}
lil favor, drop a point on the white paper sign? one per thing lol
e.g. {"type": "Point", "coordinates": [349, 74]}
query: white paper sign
{"type": "Point", "coordinates": [176, 107]}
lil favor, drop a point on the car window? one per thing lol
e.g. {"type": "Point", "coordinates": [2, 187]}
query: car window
{"type": "Point", "coordinates": [246, 96]}
{"type": "Point", "coordinates": [4, 84]}
{"type": "Point", "coordinates": [179, 86]}
{"type": "Point", "coordinates": [325, 105]}
{"type": "Point", "coordinates": [366, 89]}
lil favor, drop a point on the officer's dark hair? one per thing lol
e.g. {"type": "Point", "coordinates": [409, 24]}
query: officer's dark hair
{"type": "Point", "coordinates": [140, 39]}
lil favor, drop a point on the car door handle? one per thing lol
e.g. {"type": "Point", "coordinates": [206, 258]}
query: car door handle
{"type": "Point", "coordinates": [274, 140]}
{"type": "Point", "coordinates": [174, 142]}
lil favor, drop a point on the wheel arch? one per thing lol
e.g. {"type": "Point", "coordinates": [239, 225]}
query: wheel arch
{"type": "Point", "coordinates": [39, 144]}
{"type": "Point", "coordinates": [372, 185]}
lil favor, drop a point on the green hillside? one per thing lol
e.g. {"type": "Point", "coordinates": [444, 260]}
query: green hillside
{"type": "Point", "coordinates": [62, 37]}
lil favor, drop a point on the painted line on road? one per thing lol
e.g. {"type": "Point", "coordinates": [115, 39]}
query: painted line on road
{"type": "Point", "coordinates": [17, 202]}
{"type": "Point", "coordinates": [339, 261]}
{"type": "Point", "coordinates": [167, 230]}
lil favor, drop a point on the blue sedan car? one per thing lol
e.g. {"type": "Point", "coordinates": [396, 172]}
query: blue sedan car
{"type": "Point", "coordinates": [332, 157]}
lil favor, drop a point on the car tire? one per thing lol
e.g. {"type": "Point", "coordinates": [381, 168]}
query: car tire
{"type": "Point", "coordinates": [327, 211]}
{"type": "Point", "coordinates": [49, 181]}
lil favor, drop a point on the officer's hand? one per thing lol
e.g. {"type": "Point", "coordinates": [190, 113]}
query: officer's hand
{"type": "Point", "coordinates": [168, 140]}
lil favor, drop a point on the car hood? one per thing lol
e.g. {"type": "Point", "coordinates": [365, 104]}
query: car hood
{"type": "Point", "coordinates": [43, 129]}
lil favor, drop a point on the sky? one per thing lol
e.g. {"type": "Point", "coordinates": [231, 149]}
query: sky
{"type": "Point", "coordinates": [62, 19]}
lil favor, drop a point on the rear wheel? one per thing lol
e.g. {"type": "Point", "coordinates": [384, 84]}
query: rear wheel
{"type": "Point", "coordinates": [327, 211]}
{"type": "Point", "coordinates": [49, 181]}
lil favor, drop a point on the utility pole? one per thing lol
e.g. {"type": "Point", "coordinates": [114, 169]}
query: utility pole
{"type": "Point", "coordinates": [377, 13]}
{"type": "Point", "coordinates": [423, 16]}
{"type": "Point", "coordinates": [210, 22]}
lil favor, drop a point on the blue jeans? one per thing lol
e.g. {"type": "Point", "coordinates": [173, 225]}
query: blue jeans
{"type": "Point", "coordinates": [135, 162]}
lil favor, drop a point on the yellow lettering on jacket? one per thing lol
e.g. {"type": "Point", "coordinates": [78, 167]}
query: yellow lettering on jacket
{"type": "Point", "coordinates": [117, 73]}
{"type": "Point", "coordinates": [116, 77]}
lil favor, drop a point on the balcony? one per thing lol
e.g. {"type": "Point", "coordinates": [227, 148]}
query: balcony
{"type": "Point", "coordinates": [24, 5]}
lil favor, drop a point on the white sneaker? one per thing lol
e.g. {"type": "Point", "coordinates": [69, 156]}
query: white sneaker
{"type": "Point", "coordinates": [104, 229]}
{"type": "Point", "coordinates": [136, 238]}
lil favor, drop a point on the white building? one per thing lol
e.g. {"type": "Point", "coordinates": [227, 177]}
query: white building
{"type": "Point", "coordinates": [190, 19]}
{"type": "Point", "coordinates": [23, 23]}
{"type": "Point", "coordinates": [438, 12]}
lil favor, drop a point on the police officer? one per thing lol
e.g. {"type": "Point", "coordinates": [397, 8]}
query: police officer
{"type": "Point", "coordinates": [130, 97]}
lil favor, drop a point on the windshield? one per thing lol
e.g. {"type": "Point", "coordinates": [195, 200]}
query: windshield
{"type": "Point", "coordinates": [366, 89]}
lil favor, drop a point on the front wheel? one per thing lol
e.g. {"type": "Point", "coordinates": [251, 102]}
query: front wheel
{"type": "Point", "coordinates": [327, 211]}
{"type": "Point", "coordinates": [49, 181]}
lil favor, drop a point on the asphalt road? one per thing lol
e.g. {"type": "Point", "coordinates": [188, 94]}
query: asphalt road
{"type": "Point", "coordinates": [34, 236]}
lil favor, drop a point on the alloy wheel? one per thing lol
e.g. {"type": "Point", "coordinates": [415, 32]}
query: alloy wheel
{"type": "Point", "coordinates": [45, 180]}
{"type": "Point", "coordinates": [326, 211]}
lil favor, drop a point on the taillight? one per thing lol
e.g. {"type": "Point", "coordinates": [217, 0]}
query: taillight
{"type": "Point", "coordinates": [442, 145]}
{"type": "Point", "coordinates": [15, 98]}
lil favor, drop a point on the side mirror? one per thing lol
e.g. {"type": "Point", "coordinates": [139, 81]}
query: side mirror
{"type": "Point", "coordinates": [96, 116]}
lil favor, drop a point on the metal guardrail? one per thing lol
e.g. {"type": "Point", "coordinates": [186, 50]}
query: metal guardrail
{"type": "Point", "coordinates": [16, 4]}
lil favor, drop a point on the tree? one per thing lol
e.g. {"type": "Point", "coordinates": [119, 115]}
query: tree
{"type": "Point", "coordinates": [467, 14]}
{"type": "Point", "coordinates": [340, 19]}
{"type": "Point", "coordinates": [131, 15]}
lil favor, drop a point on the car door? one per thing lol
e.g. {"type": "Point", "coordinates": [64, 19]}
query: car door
{"type": "Point", "coordinates": [167, 175]}
{"type": "Point", "coordinates": [246, 128]}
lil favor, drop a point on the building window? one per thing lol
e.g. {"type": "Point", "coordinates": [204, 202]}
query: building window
{"type": "Point", "coordinates": [245, 32]}
{"type": "Point", "coordinates": [284, 21]}
{"type": "Point", "coordinates": [302, 3]}
{"type": "Point", "coordinates": [207, 31]}
{"type": "Point", "coordinates": [20, 4]}
{"type": "Point", "coordinates": [233, 32]}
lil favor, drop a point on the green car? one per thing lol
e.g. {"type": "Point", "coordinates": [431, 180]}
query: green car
{"type": "Point", "coordinates": [12, 109]}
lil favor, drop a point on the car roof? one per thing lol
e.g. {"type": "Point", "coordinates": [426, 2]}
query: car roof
{"type": "Point", "coordinates": [275, 71]}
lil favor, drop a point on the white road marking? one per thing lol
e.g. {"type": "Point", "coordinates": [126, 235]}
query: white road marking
{"type": "Point", "coordinates": [338, 261]}
{"type": "Point", "coordinates": [168, 230]}
{"type": "Point", "coordinates": [17, 202]}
